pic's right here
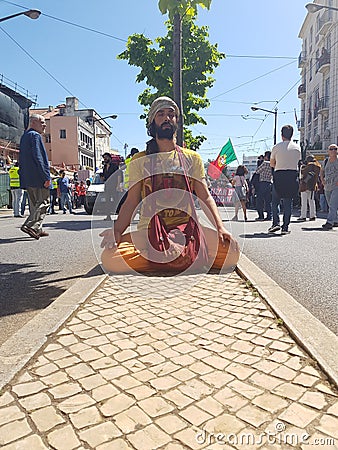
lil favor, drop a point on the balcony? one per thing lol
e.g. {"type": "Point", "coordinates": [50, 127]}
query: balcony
{"type": "Point", "coordinates": [323, 62]}
{"type": "Point", "coordinates": [302, 90]}
{"type": "Point", "coordinates": [323, 106]}
{"type": "Point", "coordinates": [302, 59]}
{"type": "Point", "coordinates": [325, 21]}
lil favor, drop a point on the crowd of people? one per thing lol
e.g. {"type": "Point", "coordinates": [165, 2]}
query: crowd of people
{"type": "Point", "coordinates": [66, 194]}
{"type": "Point", "coordinates": [282, 179]}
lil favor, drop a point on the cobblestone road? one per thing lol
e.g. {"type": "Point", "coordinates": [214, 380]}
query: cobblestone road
{"type": "Point", "coordinates": [187, 362]}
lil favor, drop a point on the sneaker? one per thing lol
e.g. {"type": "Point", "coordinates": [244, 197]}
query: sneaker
{"type": "Point", "coordinates": [43, 234]}
{"type": "Point", "coordinates": [327, 226]}
{"type": "Point", "coordinates": [312, 219]}
{"type": "Point", "coordinates": [267, 219]}
{"type": "Point", "coordinates": [273, 229]}
{"type": "Point", "coordinates": [301, 219]}
{"type": "Point", "coordinates": [64, 212]}
{"type": "Point", "coordinates": [335, 224]}
{"type": "Point", "coordinates": [235, 219]}
{"type": "Point", "coordinates": [285, 232]}
{"type": "Point", "coordinates": [259, 219]}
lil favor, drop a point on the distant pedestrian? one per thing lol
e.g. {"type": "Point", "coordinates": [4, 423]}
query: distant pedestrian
{"type": "Point", "coordinates": [285, 157]}
{"type": "Point", "coordinates": [16, 191]}
{"type": "Point", "coordinates": [24, 202]}
{"type": "Point", "coordinates": [53, 194]}
{"type": "Point", "coordinates": [35, 175]}
{"type": "Point", "coordinates": [109, 167]}
{"type": "Point", "coordinates": [241, 191]}
{"type": "Point", "coordinates": [309, 175]}
{"type": "Point", "coordinates": [127, 162]}
{"type": "Point", "coordinates": [65, 189]}
{"type": "Point", "coordinates": [264, 186]}
{"type": "Point", "coordinates": [81, 194]}
{"type": "Point", "coordinates": [330, 181]}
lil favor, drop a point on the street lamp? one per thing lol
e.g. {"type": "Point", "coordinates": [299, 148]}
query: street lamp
{"type": "Point", "coordinates": [112, 116]}
{"type": "Point", "coordinates": [31, 13]}
{"type": "Point", "coordinates": [255, 108]}
{"type": "Point", "coordinates": [312, 7]}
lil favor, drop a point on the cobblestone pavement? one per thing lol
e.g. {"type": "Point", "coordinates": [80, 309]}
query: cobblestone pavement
{"type": "Point", "coordinates": [188, 362]}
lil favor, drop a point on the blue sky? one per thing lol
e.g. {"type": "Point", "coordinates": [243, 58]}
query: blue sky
{"type": "Point", "coordinates": [84, 64]}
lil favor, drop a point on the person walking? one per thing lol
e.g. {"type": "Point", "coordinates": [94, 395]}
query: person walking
{"type": "Point", "coordinates": [309, 175]}
{"type": "Point", "coordinates": [285, 157]}
{"type": "Point", "coordinates": [65, 189]}
{"type": "Point", "coordinates": [35, 175]}
{"type": "Point", "coordinates": [109, 167]}
{"type": "Point", "coordinates": [162, 179]}
{"type": "Point", "coordinates": [16, 191]}
{"type": "Point", "coordinates": [263, 202]}
{"type": "Point", "coordinates": [241, 191]}
{"type": "Point", "coordinates": [330, 181]}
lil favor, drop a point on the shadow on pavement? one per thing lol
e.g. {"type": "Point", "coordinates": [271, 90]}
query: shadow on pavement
{"type": "Point", "coordinates": [315, 229]}
{"type": "Point", "coordinates": [77, 225]}
{"type": "Point", "coordinates": [261, 235]}
{"type": "Point", "coordinates": [24, 288]}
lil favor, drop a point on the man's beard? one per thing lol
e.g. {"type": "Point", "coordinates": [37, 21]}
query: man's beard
{"type": "Point", "coordinates": [167, 132]}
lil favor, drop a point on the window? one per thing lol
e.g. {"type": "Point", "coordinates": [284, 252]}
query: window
{"type": "Point", "coordinates": [48, 138]}
{"type": "Point", "coordinates": [63, 134]}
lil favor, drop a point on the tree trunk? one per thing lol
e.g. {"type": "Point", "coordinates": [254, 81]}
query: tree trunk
{"type": "Point", "coordinates": [177, 74]}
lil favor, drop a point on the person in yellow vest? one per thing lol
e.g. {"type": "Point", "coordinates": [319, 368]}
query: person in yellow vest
{"type": "Point", "coordinates": [133, 152]}
{"type": "Point", "coordinates": [16, 191]}
{"type": "Point", "coordinates": [127, 162]}
{"type": "Point", "coordinates": [53, 194]}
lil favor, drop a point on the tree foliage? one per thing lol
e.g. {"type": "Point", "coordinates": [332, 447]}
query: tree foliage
{"type": "Point", "coordinates": [199, 60]}
{"type": "Point", "coordinates": [182, 7]}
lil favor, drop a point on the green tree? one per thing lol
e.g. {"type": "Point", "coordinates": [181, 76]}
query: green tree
{"type": "Point", "coordinates": [177, 9]}
{"type": "Point", "coordinates": [199, 61]}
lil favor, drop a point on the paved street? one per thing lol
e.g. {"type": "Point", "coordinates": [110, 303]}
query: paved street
{"type": "Point", "coordinates": [186, 362]}
{"type": "Point", "coordinates": [34, 273]}
{"type": "Point", "coordinates": [303, 263]}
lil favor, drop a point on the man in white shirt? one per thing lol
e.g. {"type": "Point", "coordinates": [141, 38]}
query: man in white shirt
{"type": "Point", "coordinates": [285, 157]}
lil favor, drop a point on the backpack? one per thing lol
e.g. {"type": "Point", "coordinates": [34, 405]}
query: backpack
{"type": "Point", "coordinates": [310, 181]}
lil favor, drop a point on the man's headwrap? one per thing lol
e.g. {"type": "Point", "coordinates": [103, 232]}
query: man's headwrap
{"type": "Point", "coordinates": [161, 103]}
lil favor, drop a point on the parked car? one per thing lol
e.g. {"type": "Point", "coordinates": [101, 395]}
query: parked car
{"type": "Point", "coordinates": [95, 200]}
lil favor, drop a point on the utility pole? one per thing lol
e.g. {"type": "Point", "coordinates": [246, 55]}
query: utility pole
{"type": "Point", "coordinates": [177, 73]}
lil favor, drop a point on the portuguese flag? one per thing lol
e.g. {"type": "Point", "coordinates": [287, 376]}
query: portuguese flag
{"type": "Point", "coordinates": [225, 157]}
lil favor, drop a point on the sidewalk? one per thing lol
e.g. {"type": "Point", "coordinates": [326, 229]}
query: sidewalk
{"type": "Point", "coordinates": [190, 362]}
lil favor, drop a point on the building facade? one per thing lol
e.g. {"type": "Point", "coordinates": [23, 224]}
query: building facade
{"type": "Point", "coordinates": [14, 114]}
{"type": "Point", "coordinates": [73, 134]}
{"type": "Point", "coordinates": [318, 91]}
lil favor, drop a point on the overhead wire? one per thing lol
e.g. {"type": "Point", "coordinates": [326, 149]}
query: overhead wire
{"type": "Point", "coordinates": [124, 40]}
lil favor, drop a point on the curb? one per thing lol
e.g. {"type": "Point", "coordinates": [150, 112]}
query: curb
{"type": "Point", "coordinates": [22, 346]}
{"type": "Point", "coordinates": [311, 334]}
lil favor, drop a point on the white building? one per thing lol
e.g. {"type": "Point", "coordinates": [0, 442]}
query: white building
{"type": "Point", "coordinates": [318, 91]}
{"type": "Point", "coordinates": [250, 162]}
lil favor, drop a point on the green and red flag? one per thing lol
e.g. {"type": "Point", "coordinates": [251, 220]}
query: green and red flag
{"type": "Point", "coordinates": [225, 157]}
